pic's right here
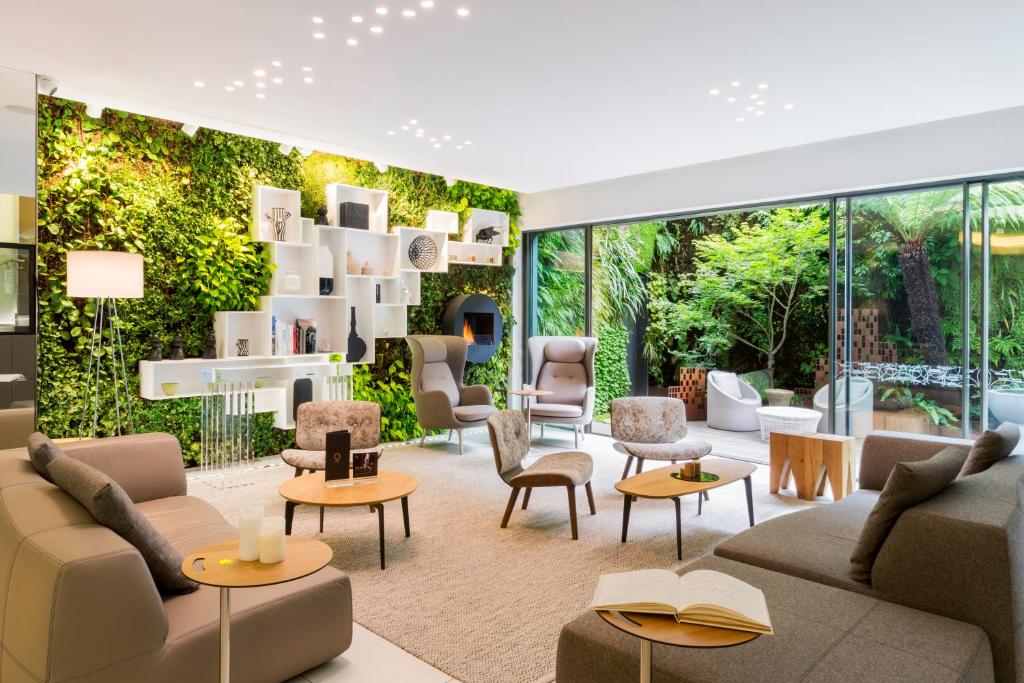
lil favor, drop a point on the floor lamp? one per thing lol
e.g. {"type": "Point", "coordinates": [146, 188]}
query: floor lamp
{"type": "Point", "coordinates": [105, 276]}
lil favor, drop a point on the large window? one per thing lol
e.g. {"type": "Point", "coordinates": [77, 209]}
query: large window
{"type": "Point", "coordinates": [558, 305]}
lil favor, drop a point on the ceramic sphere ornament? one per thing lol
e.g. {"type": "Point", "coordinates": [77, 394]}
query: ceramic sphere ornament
{"type": "Point", "coordinates": [423, 252]}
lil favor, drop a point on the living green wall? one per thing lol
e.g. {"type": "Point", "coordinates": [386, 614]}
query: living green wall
{"type": "Point", "coordinates": [133, 183]}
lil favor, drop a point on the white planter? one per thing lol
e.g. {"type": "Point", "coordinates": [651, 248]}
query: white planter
{"type": "Point", "coordinates": [1006, 406]}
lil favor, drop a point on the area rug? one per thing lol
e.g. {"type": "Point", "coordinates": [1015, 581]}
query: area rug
{"type": "Point", "coordinates": [486, 604]}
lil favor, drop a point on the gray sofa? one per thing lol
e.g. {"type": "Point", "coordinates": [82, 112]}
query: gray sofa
{"type": "Point", "coordinates": [945, 603]}
{"type": "Point", "coordinates": [77, 602]}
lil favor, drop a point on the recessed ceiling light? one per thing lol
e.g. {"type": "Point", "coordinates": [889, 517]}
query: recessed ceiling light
{"type": "Point", "coordinates": [458, 146]}
{"type": "Point", "coordinates": [427, 4]}
{"type": "Point", "coordinates": [413, 122]}
{"type": "Point", "coordinates": [759, 113]}
{"type": "Point", "coordinates": [318, 20]}
{"type": "Point", "coordinates": [260, 95]}
{"type": "Point", "coordinates": [419, 131]}
{"type": "Point", "coordinates": [261, 84]}
{"type": "Point", "coordinates": [740, 120]}
{"type": "Point", "coordinates": [437, 145]}
{"type": "Point", "coordinates": [259, 72]}
{"type": "Point", "coordinates": [383, 11]}
{"type": "Point", "coordinates": [307, 69]}
{"type": "Point", "coordinates": [229, 88]}
{"type": "Point", "coordinates": [391, 132]}
{"type": "Point", "coordinates": [462, 12]}
{"type": "Point", "coordinates": [275, 63]}
{"type": "Point", "coordinates": [319, 36]}
{"type": "Point", "coordinates": [753, 96]}
{"type": "Point", "coordinates": [759, 103]}
{"type": "Point", "coordinates": [277, 80]}
{"type": "Point", "coordinates": [377, 29]}
{"type": "Point", "coordinates": [787, 105]}
{"type": "Point", "coordinates": [467, 142]}
{"type": "Point", "coordinates": [762, 86]}
{"type": "Point", "coordinates": [405, 127]}
{"type": "Point", "coordinates": [433, 139]}
{"type": "Point", "coordinates": [419, 134]}
{"type": "Point", "coordinates": [308, 79]}
{"type": "Point", "coordinates": [750, 109]}
{"type": "Point", "coordinates": [714, 91]}
{"type": "Point", "coordinates": [731, 99]}
{"type": "Point", "coordinates": [735, 84]}
{"type": "Point", "coordinates": [352, 41]}
{"type": "Point", "coordinates": [447, 137]}
{"type": "Point", "coordinates": [408, 13]}
{"type": "Point", "coordinates": [199, 84]}
{"type": "Point", "coordinates": [238, 83]}
{"type": "Point", "coordinates": [356, 19]}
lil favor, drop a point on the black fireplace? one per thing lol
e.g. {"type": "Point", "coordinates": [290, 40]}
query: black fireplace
{"type": "Point", "coordinates": [476, 318]}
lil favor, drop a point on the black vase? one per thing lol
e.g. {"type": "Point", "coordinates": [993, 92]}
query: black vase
{"type": "Point", "coordinates": [326, 286]}
{"type": "Point", "coordinates": [356, 346]}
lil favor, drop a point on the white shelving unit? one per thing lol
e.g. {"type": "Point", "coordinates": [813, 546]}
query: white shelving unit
{"type": "Point", "coordinates": [485, 218]}
{"type": "Point", "coordinates": [376, 200]}
{"type": "Point", "coordinates": [443, 221]}
{"type": "Point", "coordinates": [470, 252]}
{"type": "Point", "coordinates": [266, 200]}
{"type": "Point", "coordinates": [409, 235]}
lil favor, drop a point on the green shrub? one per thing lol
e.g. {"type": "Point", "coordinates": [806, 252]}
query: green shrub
{"type": "Point", "coordinates": [611, 373]}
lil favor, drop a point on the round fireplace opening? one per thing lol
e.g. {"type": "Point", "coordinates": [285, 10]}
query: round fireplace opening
{"type": "Point", "coordinates": [477, 319]}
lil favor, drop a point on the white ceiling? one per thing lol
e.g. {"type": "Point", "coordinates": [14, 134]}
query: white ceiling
{"type": "Point", "coordinates": [551, 93]}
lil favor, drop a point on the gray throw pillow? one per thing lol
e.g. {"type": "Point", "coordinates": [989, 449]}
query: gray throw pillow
{"type": "Point", "coordinates": [111, 506]}
{"type": "Point", "coordinates": [991, 447]}
{"type": "Point", "coordinates": [42, 451]}
{"type": "Point", "coordinates": [908, 484]}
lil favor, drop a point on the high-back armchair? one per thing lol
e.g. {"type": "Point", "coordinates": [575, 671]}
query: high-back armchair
{"type": "Point", "coordinates": [442, 402]}
{"type": "Point", "coordinates": [565, 367]}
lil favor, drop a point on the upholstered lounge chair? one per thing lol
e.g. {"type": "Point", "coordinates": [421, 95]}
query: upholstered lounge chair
{"type": "Point", "coordinates": [564, 366]}
{"type": "Point", "coordinates": [732, 403]}
{"type": "Point", "coordinates": [861, 406]}
{"type": "Point", "coordinates": [653, 428]}
{"type": "Point", "coordinates": [442, 402]}
{"type": "Point", "coordinates": [510, 441]}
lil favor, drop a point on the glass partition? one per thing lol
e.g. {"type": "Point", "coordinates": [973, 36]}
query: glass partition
{"type": "Point", "coordinates": [559, 270]}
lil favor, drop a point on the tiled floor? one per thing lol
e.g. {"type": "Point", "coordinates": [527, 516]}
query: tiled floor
{"type": "Point", "coordinates": [372, 659]}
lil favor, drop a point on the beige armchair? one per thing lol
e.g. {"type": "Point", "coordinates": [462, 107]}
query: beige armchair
{"type": "Point", "coordinates": [565, 367]}
{"type": "Point", "coordinates": [442, 402]}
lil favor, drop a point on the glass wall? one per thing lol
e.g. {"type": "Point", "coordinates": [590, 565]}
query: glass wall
{"type": "Point", "coordinates": [558, 297]}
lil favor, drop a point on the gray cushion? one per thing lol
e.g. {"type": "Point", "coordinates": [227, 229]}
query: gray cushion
{"type": "Point", "coordinates": [110, 505]}
{"type": "Point", "coordinates": [568, 381]}
{"type": "Point", "coordinates": [992, 446]}
{"type": "Point", "coordinates": [909, 483]}
{"type": "Point", "coordinates": [434, 350]}
{"type": "Point", "coordinates": [574, 467]}
{"type": "Point", "coordinates": [565, 351]}
{"type": "Point", "coordinates": [42, 451]}
{"type": "Point", "coordinates": [556, 410]}
{"type": "Point", "coordinates": [438, 377]}
{"type": "Point", "coordinates": [473, 413]}
{"type": "Point", "coordinates": [687, 449]}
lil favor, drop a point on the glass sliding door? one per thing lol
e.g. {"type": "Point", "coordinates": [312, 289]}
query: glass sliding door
{"type": "Point", "coordinates": [559, 283]}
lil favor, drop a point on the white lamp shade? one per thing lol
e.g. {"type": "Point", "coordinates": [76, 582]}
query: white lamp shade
{"type": "Point", "coordinates": [106, 274]}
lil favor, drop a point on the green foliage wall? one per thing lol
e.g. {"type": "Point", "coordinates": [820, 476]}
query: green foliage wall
{"type": "Point", "coordinates": [611, 374]}
{"type": "Point", "coordinates": [138, 184]}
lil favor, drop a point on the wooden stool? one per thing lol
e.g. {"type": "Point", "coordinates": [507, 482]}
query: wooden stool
{"type": "Point", "coordinates": [812, 459]}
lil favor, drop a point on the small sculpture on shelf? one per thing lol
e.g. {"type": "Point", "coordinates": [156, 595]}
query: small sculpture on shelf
{"type": "Point", "coordinates": [154, 348]}
{"type": "Point", "coordinates": [404, 292]}
{"type": "Point", "coordinates": [321, 215]}
{"type": "Point", "coordinates": [356, 345]}
{"type": "Point", "coordinates": [210, 347]}
{"type": "Point", "coordinates": [242, 347]}
{"type": "Point", "coordinates": [423, 252]}
{"type": "Point", "coordinates": [326, 263]}
{"type": "Point", "coordinates": [487, 234]}
{"type": "Point", "coordinates": [177, 348]}
{"type": "Point", "coordinates": [367, 268]}
{"type": "Point", "coordinates": [278, 218]}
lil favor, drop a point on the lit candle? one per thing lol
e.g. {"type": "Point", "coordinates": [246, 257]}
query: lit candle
{"type": "Point", "coordinates": [272, 540]}
{"type": "Point", "coordinates": [249, 523]}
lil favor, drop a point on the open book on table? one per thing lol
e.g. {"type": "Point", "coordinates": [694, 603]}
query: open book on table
{"type": "Point", "coordinates": [702, 596]}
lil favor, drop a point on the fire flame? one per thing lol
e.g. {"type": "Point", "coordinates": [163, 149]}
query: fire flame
{"type": "Point", "coordinates": [467, 333]}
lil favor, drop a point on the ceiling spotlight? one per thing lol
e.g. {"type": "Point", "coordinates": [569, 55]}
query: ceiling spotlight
{"type": "Point", "coordinates": [458, 146]}
{"type": "Point", "coordinates": [759, 113]}
{"type": "Point", "coordinates": [238, 84]}
{"type": "Point", "coordinates": [356, 19]}
{"type": "Point", "coordinates": [408, 13]}
{"type": "Point", "coordinates": [450, 182]}
{"type": "Point", "coordinates": [93, 110]}
{"type": "Point", "coordinates": [405, 127]}
{"type": "Point", "coordinates": [739, 120]}
{"type": "Point", "coordinates": [261, 84]}
{"type": "Point", "coordinates": [307, 69]}
{"type": "Point", "coordinates": [467, 142]}
{"type": "Point", "coordinates": [382, 11]}
{"type": "Point", "coordinates": [286, 149]}
{"type": "Point", "coordinates": [762, 86]}
{"type": "Point", "coordinates": [433, 139]}
{"type": "Point", "coordinates": [447, 137]}
{"type": "Point", "coordinates": [731, 99]}
{"type": "Point", "coordinates": [413, 122]}
{"type": "Point", "coordinates": [750, 109]}
{"type": "Point", "coordinates": [277, 80]}
{"type": "Point", "coordinates": [275, 63]}
{"type": "Point", "coordinates": [229, 88]}
{"type": "Point", "coordinates": [199, 84]}
{"type": "Point", "coordinates": [259, 72]}
{"type": "Point", "coordinates": [391, 132]}
{"type": "Point", "coordinates": [308, 79]}
{"type": "Point", "coordinates": [735, 84]}
{"type": "Point", "coordinates": [419, 134]}
{"type": "Point", "coordinates": [462, 12]}
{"type": "Point", "coordinates": [189, 129]}
{"type": "Point", "coordinates": [352, 41]}
{"type": "Point", "coordinates": [427, 4]}
{"type": "Point", "coordinates": [714, 91]}
{"type": "Point", "coordinates": [787, 105]}
{"type": "Point", "coordinates": [753, 96]}
{"type": "Point", "coordinates": [437, 145]}
{"type": "Point", "coordinates": [382, 167]}
{"type": "Point", "coordinates": [377, 29]}
{"type": "Point", "coordinates": [318, 20]}
{"type": "Point", "coordinates": [319, 36]}
{"type": "Point", "coordinates": [261, 96]}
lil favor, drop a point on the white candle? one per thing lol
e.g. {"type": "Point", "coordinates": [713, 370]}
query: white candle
{"type": "Point", "coordinates": [272, 540]}
{"type": "Point", "coordinates": [249, 523]}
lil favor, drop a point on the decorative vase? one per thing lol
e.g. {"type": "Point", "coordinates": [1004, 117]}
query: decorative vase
{"type": "Point", "coordinates": [242, 347]}
{"type": "Point", "coordinates": [291, 283]}
{"type": "Point", "coordinates": [423, 252]}
{"type": "Point", "coordinates": [278, 218]}
{"type": "Point", "coordinates": [378, 293]}
{"type": "Point", "coordinates": [356, 346]}
{"type": "Point", "coordinates": [154, 349]}
{"type": "Point", "coordinates": [326, 286]}
{"type": "Point", "coordinates": [177, 348]}
{"type": "Point", "coordinates": [326, 268]}
{"type": "Point", "coordinates": [210, 347]}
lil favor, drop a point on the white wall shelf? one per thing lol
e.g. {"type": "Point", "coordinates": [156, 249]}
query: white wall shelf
{"type": "Point", "coordinates": [267, 200]}
{"type": "Point", "coordinates": [440, 239]}
{"type": "Point", "coordinates": [474, 254]}
{"type": "Point", "coordinates": [376, 200]}
{"type": "Point", "coordinates": [485, 218]}
{"type": "Point", "coordinates": [443, 221]}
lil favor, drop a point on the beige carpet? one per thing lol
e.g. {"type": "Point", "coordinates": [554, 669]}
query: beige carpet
{"type": "Point", "coordinates": [483, 603]}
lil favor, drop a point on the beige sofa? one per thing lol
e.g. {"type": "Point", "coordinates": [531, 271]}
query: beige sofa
{"type": "Point", "coordinates": [77, 602]}
{"type": "Point", "coordinates": [946, 601]}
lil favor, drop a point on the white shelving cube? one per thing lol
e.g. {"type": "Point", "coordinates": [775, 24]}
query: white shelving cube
{"type": "Point", "coordinates": [230, 326]}
{"type": "Point", "coordinates": [335, 239]}
{"type": "Point", "coordinates": [377, 250]}
{"type": "Point", "coordinates": [485, 218]}
{"type": "Point", "coordinates": [443, 221]}
{"type": "Point", "coordinates": [474, 254]}
{"type": "Point", "coordinates": [329, 312]}
{"type": "Point", "coordinates": [265, 200]}
{"type": "Point", "coordinates": [376, 200]}
{"type": "Point", "coordinates": [440, 239]}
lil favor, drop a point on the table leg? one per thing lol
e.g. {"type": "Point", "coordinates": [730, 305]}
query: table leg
{"type": "Point", "coordinates": [628, 501]}
{"type": "Point", "coordinates": [289, 513]}
{"type": "Point", "coordinates": [225, 634]}
{"type": "Point", "coordinates": [750, 499]}
{"type": "Point", "coordinates": [645, 661]}
{"type": "Point", "coordinates": [380, 523]}
{"type": "Point", "coordinates": [529, 417]}
{"type": "Point", "coordinates": [321, 519]}
{"type": "Point", "coordinates": [679, 527]}
{"type": "Point", "coordinates": [405, 514]}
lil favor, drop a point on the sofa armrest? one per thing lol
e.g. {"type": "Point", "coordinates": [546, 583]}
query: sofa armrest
{"type": "Point", "coordinates": [434, 410]}
{"type": "Point", "coordinates": [147, 466]}
{"type": "Point", "coordinates": [476, 395]}
{"type": "Point", "coordinates": [882, 450]}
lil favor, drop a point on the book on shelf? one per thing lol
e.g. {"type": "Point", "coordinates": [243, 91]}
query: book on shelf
{"type": "Point", "coordinates": [702, 596]}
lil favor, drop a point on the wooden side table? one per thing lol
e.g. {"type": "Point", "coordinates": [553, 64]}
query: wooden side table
{"type": "Point", "coordinates": [812, 460]}
{"type": "Point", "coordinates": [664, 629]}
{"type": "Point", "coordinates": [218, 565]}
{"type": "Point", "coordinates": [526, 395]}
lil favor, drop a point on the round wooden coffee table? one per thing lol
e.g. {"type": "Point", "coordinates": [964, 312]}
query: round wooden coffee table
{"type": "Point", "coordinates": [218, 565]}
{"type": "Point", "coordinates": [309, 489]}
{"type": "Point", "coordinates": [660, 628]}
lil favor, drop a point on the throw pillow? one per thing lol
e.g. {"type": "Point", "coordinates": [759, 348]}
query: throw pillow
{"type": "Point", "coordinates": [42, 451]}
{"type": "Point", "coordinates": [111, 506]}
{"type": "Point", "coordinates": [991, 447]}
{"type": "Point", "coordinates": [908, 484]}
{"type": "Point", "coordinates": [729, 383]}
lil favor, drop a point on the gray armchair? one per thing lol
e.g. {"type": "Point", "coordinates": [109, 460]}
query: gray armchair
{"type": "Point", "coordinates": [564, 366]}
{"type": "Point", "coordinates": [442, 402]}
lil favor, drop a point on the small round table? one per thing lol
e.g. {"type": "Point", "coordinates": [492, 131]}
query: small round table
{"type": "Point", "coordinates": [310, 489]}
{"type": "Point", "coordinates": [789, 420]}
{"type": "Point", "coordinates": [664, 629]}
{"type": "Point", "coordinates": [526, 395]}
{"type": "Point", "coordinates": [218, 565]}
